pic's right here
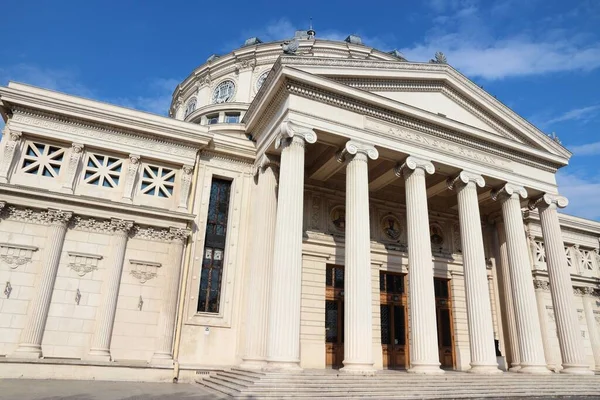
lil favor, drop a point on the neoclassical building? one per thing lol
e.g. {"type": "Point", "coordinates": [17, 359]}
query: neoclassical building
{"type": "Point", "coordinates": [307, 204]}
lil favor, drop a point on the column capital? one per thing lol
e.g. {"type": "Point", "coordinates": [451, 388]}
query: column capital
{"type": "Point", "coordinates": [14, 135]}
{"type": "Point", "coordinates": [134, 158]}
{"type": "Point", "coordinates": [589, 291]}
{"type": "Point", "coordinates": [541, 285]}
{"type": "Point", "coordinates": [77, 147]}
{"type": "Point", "coordinates": [354, 147]}
{"type": "Point", "coordinates": [413, 163]}
{"type": "Point", "coordinates": [120, 225]}
{"type": "Point", "coordinates": [179, 234]}
{"type": "Point", "coordinates": [464, 178]}
{"type": "Point", "coordinates": [509, 190]}
{"type": "Point", "coordinates": [548, 200]}
{"type": "Point", "coordinates": [289, 130]}
{"type": "Point", "coordinates": [263, 163]}
{"type": "Point", "coordinates": [58, 217]}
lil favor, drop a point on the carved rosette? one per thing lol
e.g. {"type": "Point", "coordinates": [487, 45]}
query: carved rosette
{"type": "Point", "coordinates": [509, 190]}
{"type": "Point", "coordinates": [541, 285]}
{"type": "Point", "coordinates": [414, 164]}
{"type": "Point", "coordinates": [186, 183]}
{"type": "Point", "coordinates": [289, 130]}
{"type": "Point", "coordinates": [72, 166]}
{"type": "Point", "coordinates": [130, 176]}
{"type": "Point", "coordinates": [463, 179]}
{"type": "Point", "coordinates": [9, 153]}
{"type": "Point", "coordinates": [548, 200]}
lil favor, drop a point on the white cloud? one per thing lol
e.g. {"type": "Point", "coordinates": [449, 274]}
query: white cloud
{"type": "Point", "coordinates": [588, 149]}
{"type": "Point", "coordinates": [583, 194]}
{"type": "Point", "coordinates": [577, 114]}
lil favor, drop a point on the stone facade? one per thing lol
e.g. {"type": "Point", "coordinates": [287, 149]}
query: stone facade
{"type": "Point", "coordinates": [108, 214]}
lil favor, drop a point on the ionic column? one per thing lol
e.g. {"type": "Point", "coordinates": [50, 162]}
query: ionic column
{"type": "Point", "coordinates": [261, 264]}
{"type": "Point", "coordinates": [541, 287]}
{"type": "Point", "coordinates": [424, 352]}
{"type": "Point", "coordinates": [358, 329]}
{"type": "Point", "coordinates": [30, 343]}
{"type": "Point", "coordinates": [531, 350]}
{"type": "Point", "coordinates": [163, 355]}
{"type": "Point", "coordinates": [589, 298]}
{"type": "Point", "coordinates": [283, 351]}
{"type": "Point", "coordinates": [105, 317]}
{"type": "Point", "coordinates": [561, 287]}
{"type": "Point", "coordinates": [479, 312]}
{"type": "Point", "coordinates": [513, 338]}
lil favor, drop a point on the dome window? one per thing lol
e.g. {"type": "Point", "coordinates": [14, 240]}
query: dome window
{"type": "Point", "coordinates": [191, 106]}
{"type": "Point", "coordinates": [224, 92]}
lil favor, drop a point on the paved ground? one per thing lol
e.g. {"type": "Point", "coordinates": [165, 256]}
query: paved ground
{"type": "Point", "coordinates": [22, 389]}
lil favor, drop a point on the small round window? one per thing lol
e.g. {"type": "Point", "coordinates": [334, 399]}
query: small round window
{"type": "Point", "coordinates": [224, 92]}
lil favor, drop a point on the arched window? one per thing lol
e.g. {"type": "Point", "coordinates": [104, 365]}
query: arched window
{"type": "Point", "coordinates": [191, 106]}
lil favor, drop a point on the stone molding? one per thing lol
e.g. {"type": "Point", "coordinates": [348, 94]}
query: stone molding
{"type": "Point", "coordinates": [413, 163]}
{"type": "Point", "coordinates": [548, 200]}
{"type": "Point", "coordinates": [102, 226]}
{"type": "Point", "coordinates": [142, 270]}
{"type": "Point", "coordinates": [100, 132]}
{"type": "Point", "coordinates": [354, 147]}
{"type": "Point", "coordinates": [463, 178]}
{"type": "Point", "coordinates": [507, 191]}
{"type": "Point", "coordinates": [211, 158]}
{"type": "Point", "coordinates": [83, 263]}
{"type": "Point", "coordinates": [290, 130]}
{"type": "Point", "coordinates": [541, 285]}
{"type": "Point", "coordinates": [15, 255]}
{"type": "Point", "coordinates": [160, 234]}
{"type": "Point", "coordinates": [49, 216]}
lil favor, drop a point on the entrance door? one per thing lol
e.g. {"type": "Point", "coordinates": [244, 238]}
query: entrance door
{"type": "Point", "coordinates": [444, 322]}
{"type": "Point", "coordinates": [334, 316]}
{"type": "Point", "coordinates": [394, 320]}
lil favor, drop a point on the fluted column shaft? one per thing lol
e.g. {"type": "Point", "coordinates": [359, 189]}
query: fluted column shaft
{"type": "Point", "coordinates": [283, 351]}
{"type": "Point", "coordinates": [261, 266]}
{"type": "Point", "coordinates": [561, 287]}
{"type": "Point", "coordinates": [479, 312]}
{"type": "Point", "coordinates": [513, 338]}
{"type": "Point", "coordinates": [105, 317]}
{"type": "Point", "coordinates": [590, 318]}
{"type": "Point", "coordinates": [540, 288]}
{"type": "Point", "coordinates": [163, 354]}
{"type": "Point", "coordinates": [424, 352]}
{"type": "Point", "coordinates": [528, 325]}
{"type": "Point", "coordinates": [30, 343]}
{"type": "Point", "coordinates": [358, 327]}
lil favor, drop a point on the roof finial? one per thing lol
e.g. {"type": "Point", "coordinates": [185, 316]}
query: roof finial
{"type": "Point", "coordinates": [311, 32]}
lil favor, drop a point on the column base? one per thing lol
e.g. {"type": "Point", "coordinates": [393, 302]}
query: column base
{"type": "Point", "coordinates": [162, 360]}
{"type": "Point", "coordinates": [253, 363]}
{"type": "Point", "coordinates": [29, 351]}
{"type": "Point", "coordinates": [514, 368]}
{"type": "Point", "coordinates": [487, 369]}
{"type": "Point", "coordinates": [428, 369]}
{"type": "Point", "coordinates": [576, 369]}
{"type": "Point", "coordinates": [358, 369]}
{"type": "Point", "coordinates": [98, 355]}
{"type": "Point", "coordinates": [281, 365]}
{"type": "Point", "coordinates": [534, 369]}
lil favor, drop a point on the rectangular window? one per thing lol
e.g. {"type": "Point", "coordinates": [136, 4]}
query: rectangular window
{"type": "Point", "coordinates": [391, 283]}
{"type": "Point", "coordinates": [441, 288]}
{"type": "Point", "coordinates": [232, 118]}
{"type": "Point", "coordinates": [214, 246]}
{"type": "Point", "coordinates": [212, 119]}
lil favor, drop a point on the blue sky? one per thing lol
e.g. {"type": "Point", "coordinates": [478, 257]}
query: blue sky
{"type": "Point", "coordinates": [539, 57]}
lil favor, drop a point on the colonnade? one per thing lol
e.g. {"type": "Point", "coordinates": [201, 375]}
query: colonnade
{"type": "Point", "coordinates": [279, 314]}
{"type": "Point", "coordinates": [30, 343]}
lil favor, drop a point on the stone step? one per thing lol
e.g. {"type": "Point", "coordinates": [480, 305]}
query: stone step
{"type": "Point", "coordinates": [216, 386]}
{"type": "Point", "coordinates": [249, 373]}
{"type": "Point", "coordinates": [240, 377]}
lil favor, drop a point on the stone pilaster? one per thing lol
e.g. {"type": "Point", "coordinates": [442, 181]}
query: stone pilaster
{"type": "Point", "coordinates": [72, 167]}
{"type": "Point", "coordinates": [105, 316]}
{"type": "Point", "coordinates": [424, 356]}
{"type": "Point", "coordinates": [130, 177]}
{"type": "Point", "coordinates": [30, 343]}
{"type": "Point", "coordinates": [561, 287]}
{"type": "Point", "coordinates": [479, 312]}
{"type": "Point", "coordinates": [261, 264]}
{"type": "Point", "coordinates": [185, 185]}
{"type": "Point", "coordinates": [541, 287]}
{"type": "Point", "coordinates": [504, 272]}
{"type": "Point", "coordinates": [358, 329]}
{"type": "Point", "coordinates": [283, 351]}
{"type": "Point", "coordinates": [531, 349]}
{"type": "Point", "coordinates": [163, 355]}
{"type": "Point", "coordinates": [10, 149]}
{"type": "Point", "coordinates": [589, 298]}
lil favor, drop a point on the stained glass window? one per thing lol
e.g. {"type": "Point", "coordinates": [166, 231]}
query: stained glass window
{"type": "Point", "coordinates": [214, 246]}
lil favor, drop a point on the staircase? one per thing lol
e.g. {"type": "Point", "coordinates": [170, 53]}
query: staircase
{"type": "Point", "coordinates": [331, 384]}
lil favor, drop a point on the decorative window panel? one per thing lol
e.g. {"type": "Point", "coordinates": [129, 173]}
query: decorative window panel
{"type": "Point", "coordinates": [586, 259]}
{"type": "Point", "coordinates": [569, 255]}
{"type": "Point", "coordinates": [103, 171]}
{"type": "Point", "coordinates": [191, 106]}
{"type": "Point", "coordinates": [42, 159]}
{"type": "Point", "coordinates": [157, 181]}
{"type": "Point", "coordinates": [540, 252]}
{"type": "Point", "coordinates": [214, 246]}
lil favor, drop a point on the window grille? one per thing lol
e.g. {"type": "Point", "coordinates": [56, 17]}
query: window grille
{"type": "Point", "coordinates": [103, 171]}
{"type": "Point", "coordinates": [540, 252]}
{"type": "Point", "coordinates": [586, 259]}
{"type": "Point", "coordinates": [569, 257]}
{"type": "Point", "coordinates": [158, 181]}
{"type": "Point", "coordinates": [42, 159]}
